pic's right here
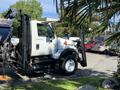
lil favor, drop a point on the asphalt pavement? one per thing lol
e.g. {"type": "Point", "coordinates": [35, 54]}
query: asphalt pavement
{"type": "Point", "coordinates": [99, 65]}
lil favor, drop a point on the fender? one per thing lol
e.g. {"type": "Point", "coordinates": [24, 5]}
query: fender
{"type": "Point", "coordinates": [69, 51]}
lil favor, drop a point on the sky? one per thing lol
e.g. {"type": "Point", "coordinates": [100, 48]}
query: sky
{"type": "Point", "coordinates": [48, 6]}
{"type": "Point", "coordinates": [49, 9]}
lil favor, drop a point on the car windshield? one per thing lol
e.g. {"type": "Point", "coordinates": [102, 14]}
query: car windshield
{"type": "Point", "coordinates": [100, 39]}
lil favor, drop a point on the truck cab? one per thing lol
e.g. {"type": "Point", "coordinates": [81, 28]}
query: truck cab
{"type": "Point", "coordinates": [45, 42]}
{"type": "Point", "coordinates": [42, 38]}
{"type": "Point", "coordinates": [36, 48]}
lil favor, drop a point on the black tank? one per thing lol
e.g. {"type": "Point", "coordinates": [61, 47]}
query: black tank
{"type": "Point", "coordinates": [5, 32]}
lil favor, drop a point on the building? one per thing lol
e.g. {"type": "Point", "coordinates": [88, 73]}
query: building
{"type": "Point", "coordinates": [52, 19]}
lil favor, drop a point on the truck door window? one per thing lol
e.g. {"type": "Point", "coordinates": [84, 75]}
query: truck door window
{"type": "Point", "coordinates": [42, 30]}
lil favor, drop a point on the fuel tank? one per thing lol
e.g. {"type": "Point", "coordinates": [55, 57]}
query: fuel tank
{"type": "Point", "coordinates": [5, 32]}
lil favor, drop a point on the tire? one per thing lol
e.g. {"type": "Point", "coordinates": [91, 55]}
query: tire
{"type": "Point", "coordinates": [65, 65]}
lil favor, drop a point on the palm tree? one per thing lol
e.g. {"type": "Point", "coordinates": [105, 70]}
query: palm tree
{"type": "Point", "coordinates": [84, 12]}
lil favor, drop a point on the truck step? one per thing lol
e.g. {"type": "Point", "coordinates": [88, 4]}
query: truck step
{"type": "Point", "coordinates": [39, 61]}
{"type": "Point", "coordinates": [42, 68]}
{"type": "Point", "coordinates": [42, 65]}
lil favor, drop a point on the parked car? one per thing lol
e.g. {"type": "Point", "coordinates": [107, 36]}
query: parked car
{"type": "Point", "coordinates": [75, 40]}
{"type": "Point", "coordinates": [113, 49]}
{"type": "Point", "coordinates": [100, 45]}
{"type": "Point", "coordinates": [89, 45]}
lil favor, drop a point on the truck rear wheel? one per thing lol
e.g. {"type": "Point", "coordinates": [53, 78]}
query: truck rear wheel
{"type": "Point", "coordinates": [69, 65]}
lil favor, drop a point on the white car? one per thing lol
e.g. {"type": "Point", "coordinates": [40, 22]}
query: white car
{"type": "Point", "coordinates": [100, 47]}
{"type": "Point", "coordinates": [74, 39]}
{"type": "Point", "coordinates": [100, 44]}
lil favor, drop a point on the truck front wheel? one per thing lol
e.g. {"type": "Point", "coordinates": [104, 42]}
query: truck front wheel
{"type": "Point", "coordinates": [69, 65]}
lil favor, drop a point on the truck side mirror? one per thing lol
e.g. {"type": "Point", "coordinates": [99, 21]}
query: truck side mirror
{"type": "Point", "coordinates": [51, 34]}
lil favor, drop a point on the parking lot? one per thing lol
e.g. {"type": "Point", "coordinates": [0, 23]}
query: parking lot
{"type": "Point", "coordinates": [99, 65]}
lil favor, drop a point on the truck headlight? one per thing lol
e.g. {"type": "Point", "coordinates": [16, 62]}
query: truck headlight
{"type": "Point", "coordinates": [15, 41]}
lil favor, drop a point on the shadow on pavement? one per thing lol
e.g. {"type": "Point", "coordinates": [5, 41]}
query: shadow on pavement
{"type": "Point", "coordinates": [79, 73]}
{"type": "Point", "coordinates": [89, 72]}
{"type": "Point", "coordinates": [17, 80]}
{"type": "Point", "coordinates": [84, 73]}
{"type": "Point", "coordinates": [102, 53]}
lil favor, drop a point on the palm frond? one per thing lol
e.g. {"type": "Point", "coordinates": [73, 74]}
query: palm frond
{"type": "Point", "coordinates": [114, 37]}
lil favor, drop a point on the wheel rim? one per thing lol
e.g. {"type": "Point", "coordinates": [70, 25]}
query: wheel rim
{"type": "Point", "coordinates": [70, 65]}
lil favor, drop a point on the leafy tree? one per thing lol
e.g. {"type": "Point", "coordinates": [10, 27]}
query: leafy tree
{"type": "Point", "coordinates": [30, 7]}
{"type": "Point", "coordinates": [82, 12]}
{"type": "Point", "coordinates": [63, 26]}
{"type": "Point", "coordinates": [0, 15]}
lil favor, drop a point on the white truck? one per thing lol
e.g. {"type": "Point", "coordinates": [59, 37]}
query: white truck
{"type": "Point", "coordinates": [36, 49]}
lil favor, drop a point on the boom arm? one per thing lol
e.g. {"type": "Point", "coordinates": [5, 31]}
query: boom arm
{"type": "Point", "coordinates": [10, 14]}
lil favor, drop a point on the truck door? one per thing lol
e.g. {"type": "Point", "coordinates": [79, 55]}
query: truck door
{"type": "Point", "coordinates": [41, 40]}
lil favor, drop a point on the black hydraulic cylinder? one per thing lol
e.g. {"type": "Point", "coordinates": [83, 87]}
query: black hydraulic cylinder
{"type": "Point", "coordinates": [82, 36]}
{"type": "Point", "coordinates": [25, 42]}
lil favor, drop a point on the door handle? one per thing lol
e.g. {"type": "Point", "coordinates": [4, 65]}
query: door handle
{"type": "Point", "coordinates": [37, 47]}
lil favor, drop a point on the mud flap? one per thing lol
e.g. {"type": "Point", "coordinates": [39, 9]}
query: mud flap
{"type": "Point", "coordinates": [83, 61]}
